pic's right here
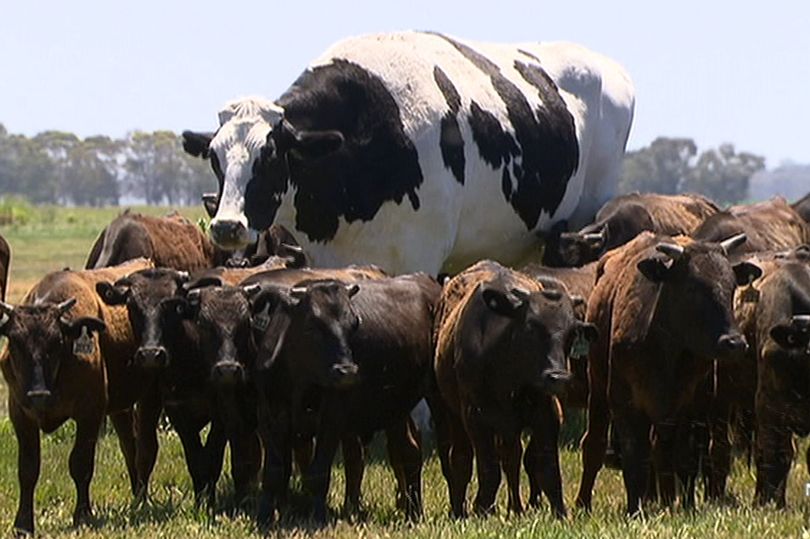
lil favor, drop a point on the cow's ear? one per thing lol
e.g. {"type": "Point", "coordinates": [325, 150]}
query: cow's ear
{"type": "Point", "coordinates": [6, 312]}
{"type": "Point", "coordinates": [307, 144]}
{"type": "Point", "coordinates": [197, 144]}
{"type": "Point", "coordinates": [588, 331]}
{"type": "Point", "coordinates": [746, 272]}
{"type": "Point", "coordinates": [504, 302]}
{"type": "Point", "coordinates": [112, 294]}
{"type": "Point", "coordinates": [74, 328]}
{"type": "Point", "coordinates": [788, 336]}
{"type": "Point", "coordinates": [210, 203]}
{"type": "Point", "coordinates": [654, 268]}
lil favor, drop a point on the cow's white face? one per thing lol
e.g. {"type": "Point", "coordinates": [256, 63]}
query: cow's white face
{"type": "Point", "coordinates": [234, 150]}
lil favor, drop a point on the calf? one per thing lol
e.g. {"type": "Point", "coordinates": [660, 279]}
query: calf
{"type": "Point", "coordinates": [342, 361]}
{"type": "Point", "coordinates": [57, 370]}
{"type": "Point", "coordinates": [664, 307]}
{"type": "Point", "coordinates": [622, 219]}
{"type": "Point", "coordinates": [782, 330]}
{"type": "Point", "coordinates": [771, 225]}
{"type": "Point", "coordinates": [501, 347]}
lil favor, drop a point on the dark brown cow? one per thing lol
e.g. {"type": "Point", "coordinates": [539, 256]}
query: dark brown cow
{"type": "Point", "coordinates": [769, 226]}
{"type": "Point", "coordinates": [802, 207]}
{"type": "Point", "coordinates": [782, 332]}
{"type": "Point", "coordinates": [341, 361]}
{"type": "Point", "coordinates": [577, 282]}
{"type": "Point", "coordinates": [5, 258]}
{"type": "Point", "coordinates": [664, 307]}
{"type": "Point", "coordinates": [501, 347]}
{"type": "Point", "coordinates": [622, 219]}
{"type": "Point", "coordinates": [57, 370]}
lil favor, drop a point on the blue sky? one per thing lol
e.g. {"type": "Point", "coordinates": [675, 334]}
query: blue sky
{"type": "Point", "coordinates": [714, 71]}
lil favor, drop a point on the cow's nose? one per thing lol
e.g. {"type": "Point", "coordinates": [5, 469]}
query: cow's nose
{"type": "Point", "coordinates": [555, 381]}
{"type": "Point", "coordinates": [151, 357]}
{"type": "Point", "coordinates": [732, 342]}
{"type": "Point", "coordinates": [39, 397]}
{"type": "Point", "coordinates": [227, 372]}
{"type": "Point", "coordinates": [229, 233]}
{"type": "Point", "coordinates": [344, 374]}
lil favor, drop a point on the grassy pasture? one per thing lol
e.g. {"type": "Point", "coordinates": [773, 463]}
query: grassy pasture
{"type": "Point", "coordinates": [57, 237]}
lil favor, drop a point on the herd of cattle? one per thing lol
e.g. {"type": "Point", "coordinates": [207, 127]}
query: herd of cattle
{"type": "Point", "coordinates": [675, 321]}
{"type": "Point", "coordinates": [672, 321]}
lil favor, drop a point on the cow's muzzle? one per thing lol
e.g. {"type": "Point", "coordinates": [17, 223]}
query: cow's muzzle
{"type": "Point", "coordinates": [344, 375]}
{"type": "Point", "coordinates": [151, 357]}
{"type": "Point", "coordinates": [228, 372]}
{"type": "Point", "coordinates": [732, 343]}
{"type": "Point", "coordinates": [39, 398]}
{"type": "Point", "coordinates": [230, 235]}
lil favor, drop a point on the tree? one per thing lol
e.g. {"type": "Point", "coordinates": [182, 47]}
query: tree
{"type": "Point", "coordinates": [153, 166]}
{"type": "Point", "coordinates": [723, 175]}
{"type": "Point", "coordinates": [92, 174]}
{"type": "Point", "coordinates": [661, 167]}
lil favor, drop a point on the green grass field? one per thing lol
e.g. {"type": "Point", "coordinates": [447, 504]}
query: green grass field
{"type": "Point", "coordinates": [62, 237]}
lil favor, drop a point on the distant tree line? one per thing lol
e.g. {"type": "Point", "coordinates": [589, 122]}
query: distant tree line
{"type": "Point", "coordinates": [673, 165]}
{"type": "Point", "coordinates": [55, 167]}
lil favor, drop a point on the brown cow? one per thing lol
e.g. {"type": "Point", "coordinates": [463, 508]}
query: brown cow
{"type": "Point", "coordinates": [56, 370]}
{"type": "Point", "coordinates": [772, 225]}
{"type": "Point", "coordinates": [664, 308]}
{"type": "Point", "coordinates": [622, 219]}
{"type": "Point", "coordinates": [501, 347]}
{"type": "Point", "coordinates": [780, 325]}
{"type": "Point", "coordinates": [175, 242]}
{"type": "Point", "coordinates": [5, 258]}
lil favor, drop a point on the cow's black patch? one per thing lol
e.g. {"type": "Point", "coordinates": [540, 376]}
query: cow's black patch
{"type": "Point", "coordinates": [377, 162]}
{"type": "Point", "coordinates": [451, 143]}
{"type": "Point", "coordinates": [545, 139]}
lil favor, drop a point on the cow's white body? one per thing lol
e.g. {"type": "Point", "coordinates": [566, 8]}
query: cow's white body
{"type": "Point", "coordinates": [454, 224]}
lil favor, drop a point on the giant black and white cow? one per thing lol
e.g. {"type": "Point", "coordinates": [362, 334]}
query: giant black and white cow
{"type": "Point", "coordinates": [388, 140]}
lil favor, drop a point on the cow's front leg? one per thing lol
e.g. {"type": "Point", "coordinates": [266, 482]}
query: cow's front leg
{"type": "Point", "coordinates": [317, 477]}
{"type": "Point", "coordinates": [28, 462]}
{"type": "Point", "coordinates": [147, 416]}
{"type": "Point", "coordinates": [405, 456]}
{"type": "Point", "coordinates": [634, 436]}
{"type": "Point", "coordinates": [123, 423]}
{"type": "Point", "coordinates": [486, 460]}
{"type": "Point", "coordinates": [82, 462]}
{"type": "Point", "coordinates": [544, 441]}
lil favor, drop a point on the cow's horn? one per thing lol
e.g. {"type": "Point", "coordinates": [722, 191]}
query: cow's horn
{"type": "Point", "coordinates": [252, 289]}
{"type": "Point", "coordinates": [733, 242]}
{"type": "Point", "coordinates": [66, 305]}
{"type": "Point", "coordinates": [6, 308]}
{"type": "Point", "coordinates": [801, 320]}
{"type": "Point", "coordinates": [298, 291]}
{"type": "Point", "coordinates": [594, 236]}
{"type": "Point", "coordinates": [670, 249]}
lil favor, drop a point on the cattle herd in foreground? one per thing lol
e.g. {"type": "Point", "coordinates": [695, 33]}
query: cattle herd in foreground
{"type": "Point", "coordinates": [674, 323]}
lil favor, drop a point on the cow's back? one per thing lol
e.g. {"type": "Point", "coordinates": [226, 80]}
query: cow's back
{"type": "Point", "coordinates": [802, 207]}
{"type": "Point", "coordinates": [769, 225]}
{"type": "Point", "coordinates": [172, 242]}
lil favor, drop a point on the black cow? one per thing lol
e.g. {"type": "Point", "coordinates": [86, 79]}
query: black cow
{"type": "Point", "coordinates": [342, 361]}
{"type": "Point", "coordinates": [624, 218]}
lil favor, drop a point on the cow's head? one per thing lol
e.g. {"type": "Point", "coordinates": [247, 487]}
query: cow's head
{"type": "Point", "coordinates": [152, 309]}
{"type": "Point", "coordinates": [221, 314]}
{"type": "Point", "coordinates": [784, 370]}
{"type": "Point", "coordinates": [694, 300]}
{"type": "Point", "coordinates": [532, 331]}
{"type": "Point", "coordinates": [41, 340]}
{"type": "Point", "coordinates": [313, 324]}
{"type": "Point", "coordinates": [251, 154]}
{"type": "Point", "coordinates": [572, 249]}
